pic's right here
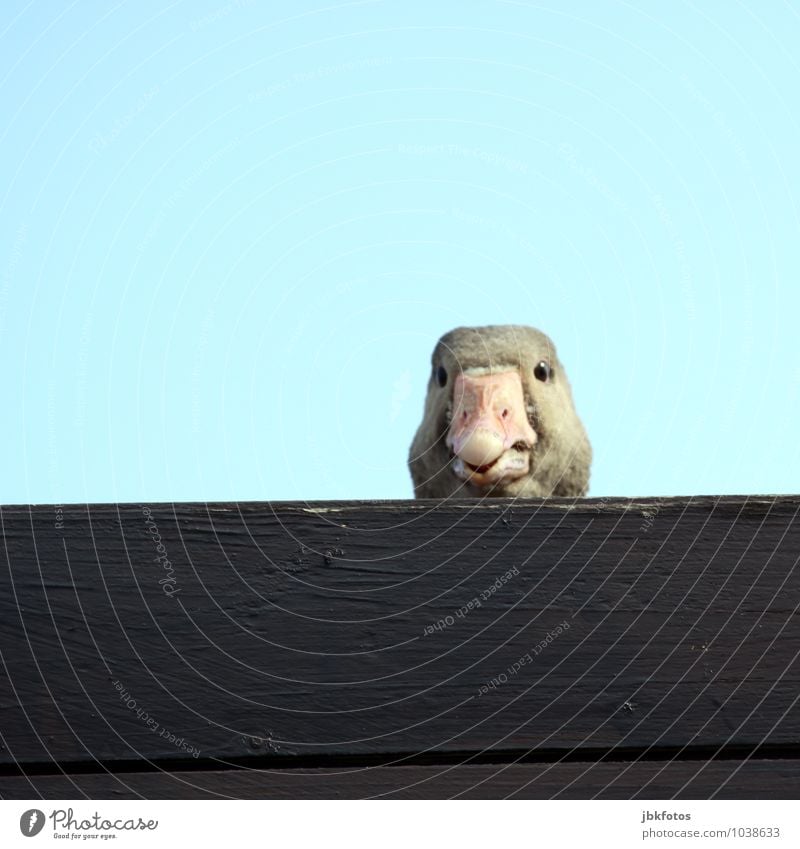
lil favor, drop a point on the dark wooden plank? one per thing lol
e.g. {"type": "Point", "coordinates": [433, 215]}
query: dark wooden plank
{"type": "Point", "coordinates": [754, 779]}
{"type": "Point", "coordinates": [292, 629]}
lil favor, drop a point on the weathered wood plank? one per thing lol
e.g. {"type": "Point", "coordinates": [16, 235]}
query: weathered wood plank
{"type": "Point", "coordinates": [753, 779]}
{"type": "Point", "coordinates": [308, 629]}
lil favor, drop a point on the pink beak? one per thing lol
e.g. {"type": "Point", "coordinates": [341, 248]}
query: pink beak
{"type": "Point", "coordinates": [489, 418]}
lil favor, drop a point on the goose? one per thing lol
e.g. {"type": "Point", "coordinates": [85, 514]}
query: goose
{"type": "Point", "coordinates": [499, 419]}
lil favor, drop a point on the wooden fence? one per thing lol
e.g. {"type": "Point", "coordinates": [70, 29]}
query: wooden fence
{"type": "Point", "coordinates": [537, 649]}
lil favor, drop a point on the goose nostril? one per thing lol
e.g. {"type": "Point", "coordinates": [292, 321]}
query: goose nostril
{"type": "Point", "coordinates": [505, 413]}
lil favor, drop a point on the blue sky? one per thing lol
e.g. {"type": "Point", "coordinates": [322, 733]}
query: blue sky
{"type": "Point", "coordinates": [231, 233]}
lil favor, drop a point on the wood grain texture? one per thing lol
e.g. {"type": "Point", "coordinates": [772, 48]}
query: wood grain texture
{"type": "Point", "coordinates": [754, 779]}
{"type": "Point", "coordinates": [286, 629]}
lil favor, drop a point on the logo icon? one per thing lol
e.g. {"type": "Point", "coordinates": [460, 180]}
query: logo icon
{"type": "Point", "coordinates": [31, 822]}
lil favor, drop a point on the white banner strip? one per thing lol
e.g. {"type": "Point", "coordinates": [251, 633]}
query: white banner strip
{"type": "Point", "coordinates": [401, 824]}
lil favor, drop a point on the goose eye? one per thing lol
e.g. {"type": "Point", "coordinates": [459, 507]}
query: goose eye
{"type": "Point", "coordinates": [542, 371]}
{"type": "Point", "coordinates": [441, 376]}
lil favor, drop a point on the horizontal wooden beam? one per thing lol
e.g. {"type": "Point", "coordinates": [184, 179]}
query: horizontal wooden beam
{"type": "Point", "coordinates": [728, 779]}
{"type": "Point", "coordinates": [384, 629]}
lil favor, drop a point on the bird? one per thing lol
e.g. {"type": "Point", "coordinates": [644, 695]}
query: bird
{"type": "Point", "coordinates": [499, 419]}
